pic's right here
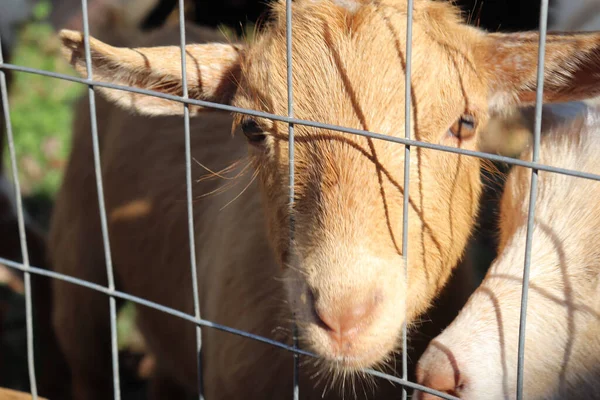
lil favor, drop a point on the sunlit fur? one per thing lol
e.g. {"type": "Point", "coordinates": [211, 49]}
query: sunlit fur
{"type": "Point", "coordinates": [348, 190]}
{"type": "Point", "coordinates": [508, 132]}
{"type": "Point", "coordinates": [477, 353]}
{"type": "Point", "coordinates": [348, 68]}
{"type": "Point", "coordinates": [575, 16]}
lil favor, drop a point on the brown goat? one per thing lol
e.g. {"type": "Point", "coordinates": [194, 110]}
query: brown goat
{"type": "Point", "coordinates": [476, 356]}
{"type": "Point", "coordinates": [343, 276]}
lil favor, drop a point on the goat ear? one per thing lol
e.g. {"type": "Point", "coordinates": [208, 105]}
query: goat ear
{"type": "Point", "coordinates": [571, 71]}
{"type": "Point", "coordinates": [212, 72]}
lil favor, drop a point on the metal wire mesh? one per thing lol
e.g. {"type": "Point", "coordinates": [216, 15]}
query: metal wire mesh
{"type": "Point", "coordinates": [103, 221]}
{"type": "Point", "coordinates": [196, 319]}
{"type": "Point", "coordinates": [406, 197]}
{"type": "Point", "coordinates": [290, 111]}
{"type": "Point", "coordinates": [532, 195]}
{"type": "Point", "coordinates": [189, 195]}
{"type": "Point", "coordinates": [22, 236]}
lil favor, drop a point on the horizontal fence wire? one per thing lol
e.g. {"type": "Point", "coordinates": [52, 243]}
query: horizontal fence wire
{"type": "Point", "coordinates": [314, 124]}
{"type": "Point", "coordinates": [203, 322]}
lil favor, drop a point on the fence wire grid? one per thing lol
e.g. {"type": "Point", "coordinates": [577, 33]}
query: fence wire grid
{"type": "Point", "coordinates": [113, 294]}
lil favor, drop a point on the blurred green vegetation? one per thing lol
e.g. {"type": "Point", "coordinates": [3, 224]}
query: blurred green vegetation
{"type": "Point", "coordinates": [41, 107]}
{"type": "Point", "coordinates": [128, 336]}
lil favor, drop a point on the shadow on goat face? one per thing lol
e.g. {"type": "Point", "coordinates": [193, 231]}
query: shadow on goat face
{"type": "Point", "coordinates": [346, 281]}
{"type": "Point", "coordinates": [346, 274]}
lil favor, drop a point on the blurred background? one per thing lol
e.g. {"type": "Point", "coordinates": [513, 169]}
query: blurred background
{"type": "Point", "coordinates": [41, 113]}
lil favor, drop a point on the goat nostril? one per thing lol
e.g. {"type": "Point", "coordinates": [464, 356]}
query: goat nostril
{"type": "Point", "coordinates": [442, 382]}
{"type": "Point", "coordinates": [344, 318]}
{"type": "Point", "coordinates": [327, 321]}
{"type": "Point", "coordinates": [318, 316]}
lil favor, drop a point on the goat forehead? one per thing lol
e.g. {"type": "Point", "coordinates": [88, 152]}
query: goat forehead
{"type": "Point", "coordinates": [345, 190]}
{"type": "Point", "coordinates": [346, 163]}
{"type": "Point", "coordinates": [348, 67]}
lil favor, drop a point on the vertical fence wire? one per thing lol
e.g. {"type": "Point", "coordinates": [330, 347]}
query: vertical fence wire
{"type": "Point", "coordinates": [22, 235]}
{"type": "Point", "coordinates": [405, 205]}
{"type": "Point", "coordinates": [532, 194]}
{"type": "Point", "coordinates": [189, 193]}
{"type": "Point", "coordinates": [101, 206]}
{"type": "Point", "coordinates": [290, 96]}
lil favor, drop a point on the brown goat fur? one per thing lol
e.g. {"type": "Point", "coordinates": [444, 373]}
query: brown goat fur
{"type": "Point", "coordinates": [345, 264]}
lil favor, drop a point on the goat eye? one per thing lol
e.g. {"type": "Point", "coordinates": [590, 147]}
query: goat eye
{"type": "Point", "coordinates": [253, 131]}
{"type": "Point", "coordinates": [464, 127]}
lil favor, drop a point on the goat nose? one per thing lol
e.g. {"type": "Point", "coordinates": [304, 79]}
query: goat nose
{"type": "Point", "coordinates": [345, 319]}
{"type": "Point", "coordinates": [444, 380]}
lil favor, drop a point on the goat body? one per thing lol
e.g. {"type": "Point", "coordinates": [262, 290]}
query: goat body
{"type": "Point", "coordinates": [343, 276]}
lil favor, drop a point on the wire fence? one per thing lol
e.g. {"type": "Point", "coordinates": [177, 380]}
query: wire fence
{"type": "Point", "coordinates": [113, 294]}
